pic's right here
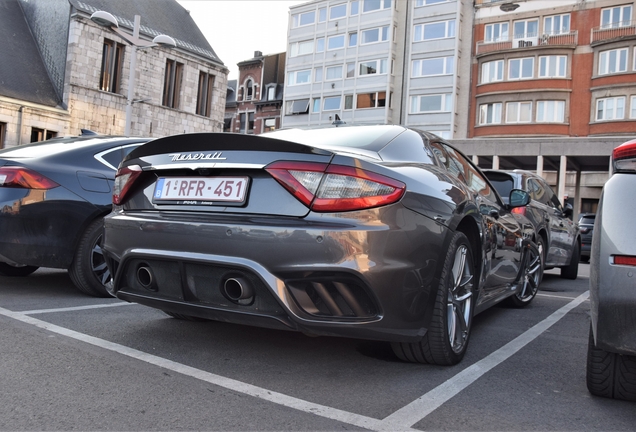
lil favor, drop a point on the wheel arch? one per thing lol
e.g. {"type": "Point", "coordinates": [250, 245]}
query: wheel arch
{"type": "Point", "coordinates": [469, 227]}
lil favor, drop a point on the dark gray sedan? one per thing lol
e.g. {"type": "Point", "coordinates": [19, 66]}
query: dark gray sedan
{"type": "Point", "coordinates": [376, 232]}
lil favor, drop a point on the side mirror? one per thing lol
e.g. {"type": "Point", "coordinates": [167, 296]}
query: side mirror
{"type": "Point", "coordinates": [519, 198]}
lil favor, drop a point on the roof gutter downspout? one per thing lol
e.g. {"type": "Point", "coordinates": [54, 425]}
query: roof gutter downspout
{"type": "Point", "coordinates": [20, 114]}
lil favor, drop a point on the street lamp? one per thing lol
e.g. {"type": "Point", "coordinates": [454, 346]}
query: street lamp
{"type": "Point", "coordinates": [106, 19]}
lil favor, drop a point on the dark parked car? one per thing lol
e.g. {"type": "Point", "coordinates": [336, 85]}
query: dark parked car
{"type": "Point", "coordinates": [557, 235]}
{"type": "Point", "coordinates": [53, 196]}
{"type": "Point", "coordinates": [586, 227]}
{"type": "Point", "coordinates": [376, 232]}
{"type": "Point", "coordinates": [611, 356]}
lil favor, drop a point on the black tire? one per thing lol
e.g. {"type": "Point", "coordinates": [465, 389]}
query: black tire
{"type": "Point", "coordinates": [532, 276]}
{"type": "Point", "coordinates": [184, 317]}
{"type": "Point", "coordinates": [88, 271]}
{"type": "Point", "coordinates": [447, 337]}
{"type": "Point", "coordinates": [609, 374]}
{"type": "Point", "coordinates": [584, 258]}
{"type": "Point", "coordinates": [571, 271]}
{"type": "Point", "coordinates": [16, 270]}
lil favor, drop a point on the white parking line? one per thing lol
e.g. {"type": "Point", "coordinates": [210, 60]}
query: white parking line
{"type": "Point", "coordinates": [555, 296]}
{"type": "Point", "coordinates": [76, 308]}
{"type": "Point", "coordinates": [402, 420]}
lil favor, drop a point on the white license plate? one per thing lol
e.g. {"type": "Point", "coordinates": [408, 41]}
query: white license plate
{"type": "Point", "coordinates": [193, 190]}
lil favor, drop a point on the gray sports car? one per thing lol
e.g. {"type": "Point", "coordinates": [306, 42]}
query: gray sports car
{"type": "Point", "coordinates": [375, 232]}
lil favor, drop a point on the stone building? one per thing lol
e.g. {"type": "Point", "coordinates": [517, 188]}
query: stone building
{"type": "Point", "coordinates": [254, 101]}
{"type": "Point", "coordinates": [68, 73]}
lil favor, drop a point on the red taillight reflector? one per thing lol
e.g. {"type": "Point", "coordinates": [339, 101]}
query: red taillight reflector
{"type": "Point", "coordinates": [624, 260]}
{"type": "Point", "coordinates": [327, 188]}
{"type": "Point", "coordinates": [519, 210]}
{"type": "Point", "coordinates": [124, 180]}
{"type": "Point", "coordinates": [19, 177]}
{"type": "Point", "coordinates": [624, 157]}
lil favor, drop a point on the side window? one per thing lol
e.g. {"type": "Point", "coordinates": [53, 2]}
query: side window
{"type": "Point", "coordinates": [553, 198]}
{"type": "Point", "coordinates": [471, 175]}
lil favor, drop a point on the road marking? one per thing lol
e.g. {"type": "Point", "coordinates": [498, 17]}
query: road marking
{"type": "Point", "coordinates": [403, 419]}
{"type": "Point", "coordinates": [426, 404]}
{"type": "Point", "coordinates": [76, 308]}
{"type": "Point", "coordinates": [555, 296]}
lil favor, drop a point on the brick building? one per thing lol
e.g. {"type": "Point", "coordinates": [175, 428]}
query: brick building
{"type": "Point", "coordinates": [253, 103]}
{"type": "Point", "coordinates": [68, 73]}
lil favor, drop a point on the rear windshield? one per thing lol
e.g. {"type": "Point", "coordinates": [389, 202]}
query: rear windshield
{"type": "Point", "coordinates": [373, 138]}
{"type": "Point", "coordinates": [588, 220]}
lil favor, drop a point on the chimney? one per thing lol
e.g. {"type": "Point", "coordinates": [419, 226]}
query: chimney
{"type": "Point", "coordinates": [258, 54]}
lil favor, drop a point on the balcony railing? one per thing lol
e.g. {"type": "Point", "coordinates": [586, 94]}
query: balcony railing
{"type": "Point", "coordinates": [613, 31]}
{"type": "Point", "coordinates": [566, 39]}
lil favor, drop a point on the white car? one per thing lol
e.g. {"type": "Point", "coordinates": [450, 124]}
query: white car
{"type": "Point", "coordinates": [611, 360]}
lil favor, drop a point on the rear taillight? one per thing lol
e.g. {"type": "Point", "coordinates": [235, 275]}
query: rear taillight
{"type": "Point", "coordinates": [332, 188]}
{"type": "Point", "coordinates": [519, 210]}
{"type": "Point", "coordinates": [624, 157]}
{"type": "Point", "coordinates": [624, 260]}
{"type": "Point", "coordinates": [124, 180]}
{"type": "Point", "coordinates": [18, 177]}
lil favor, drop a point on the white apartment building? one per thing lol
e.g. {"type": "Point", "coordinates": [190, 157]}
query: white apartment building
{"type": "Point", "coordinates": [379, 62]}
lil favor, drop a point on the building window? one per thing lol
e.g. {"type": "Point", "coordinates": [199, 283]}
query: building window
{"type": "Point", "coordinates": [112, 61]}
{"type": "Point", "coordinates": [556, 24]}
{"type": "Point", "coordinates": [249, 90]}
{"type": "Point", "coordinates": [371, 100]}
{"type": "Point", "coordinates": [619, 16]}
{"type": "Point", "coordinates": [431, 103]}
{"type": "Point", "coordinates": [318, 74]}
{"type": "Point", "coordinates": [353, 39]}
{"type": "Point", "coordinates": [172, 84]}
{"type": "Point", "coordinates": [303, 19]}
{"type": "Point", "coordinates": [522, 68]}
{"type": "Point", "coordinates": [374, 5]}
{"type": "Point", "coordinates": [299, 77]}
{"type": "Point", "coordinates": [435, 30]}
{"type": "Point", "coordinates": [379, 34]}
{"type": "Point", "coordinates": [492, 71]}
{"type": "Point", "coordinates": [518, 112]}
{"type": "Point", "coordinates": [428, 2]}
{"type": "Point", "coordinates": [322, 15]}
{"type": "Point", "coordinates": [3, 134]}
{"type": "Point", "coordinates": [299, 106]}
{"type": "Point", "coordinates": [242, 123]}
{"type": "Point", "coordinates": [612, 61]}
{"type": "Point", "coordinates": [432, 67]}
{"type": "Point", "coordinates": [269, 125]}
{"type": "Point", "coordinates": [320, 45]}
{"type": "Point", "coordinates": [490, 114]}
{"type": "Point", "coordinates": [526, 29]}
{"type": "Point", "coordinates": [372, 67]}
{"type": "Point", "coordinates": [271, 93]}
{"type": "Point", "coordinates": [250, 123]}
{"type": "Point", "coordinates": [550, 111]}
{"type": "Point", "coordinates": [351, 70]}
{"type": "Point", "coordinates": [552, 66]}
{"type": "Point", "coordinates": [348, 102]}
{"type": "Point", "coordinates": [302, 48]}
{"type": "Point", "coordinates": [497, 32]}
{"type": "Point", "coordinates": [612, 108]}
{"type": "Point", "coordinates": [355, 5]}
{"type": "Point", "coordinates": [333, 73]}
{"type": "Point", "coordinates": [315, 106]}
{"type": "Point", "coordinates": [204, 93]}
{"type": "Point", "coordinates": [38, 135]}
{"type": "Point", "coordinates": [335, 42]}
{"type": "Point", "coordinates": [338, 11]}
{"type": "Point", "coordinates": [632, 114]}
{"type": "Point", "coordinates": [331, 103]}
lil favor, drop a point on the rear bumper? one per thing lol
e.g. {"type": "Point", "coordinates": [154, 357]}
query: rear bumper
{"type": "Point", "coordinates": [369, 275]}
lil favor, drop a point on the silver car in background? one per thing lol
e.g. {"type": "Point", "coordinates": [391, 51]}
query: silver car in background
{"type": "Point", "coordinates": [611, 360]}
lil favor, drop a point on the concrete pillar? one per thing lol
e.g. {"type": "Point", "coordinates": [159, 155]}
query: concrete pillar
{"type": "Point", "coordinates": [540, 166]}
{"type": "Point", "coordinates": [495, 162]}
{"type": "Point", "coordinates": [562, 176]}
{"type": "Point", "coordinates": [577, 196]}
{"type": "Point", "coordinates": [476, 160]}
